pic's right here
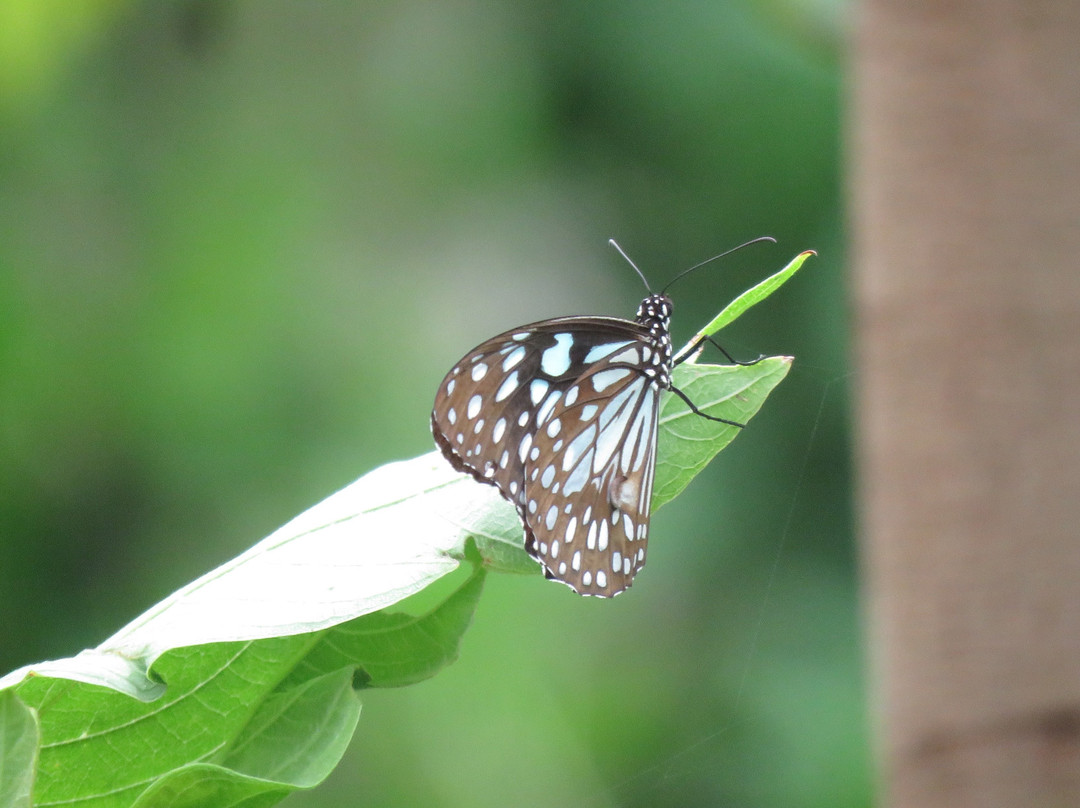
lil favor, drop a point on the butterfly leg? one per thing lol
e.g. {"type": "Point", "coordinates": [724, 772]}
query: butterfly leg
{"type": "Point", "coordinates": [696, 411]}
{"type": "Point", "coordinates": [701, 341]}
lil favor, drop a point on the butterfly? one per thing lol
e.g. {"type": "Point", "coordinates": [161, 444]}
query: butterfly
{"type": "Point", "coordinates": [561, 417]}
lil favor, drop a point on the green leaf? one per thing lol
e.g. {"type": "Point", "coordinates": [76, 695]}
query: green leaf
{"type": "Point", "coordinates": [299, 733]}
{"type": "Point", "coordinates": [120, 746]}
{"type": "Point", "coordinates": [751, 297]}
{"type": "Point", "coordinates": [239, 723]}
{"type": "Point", "coordinates": [687, 442]}
{"type": "Point", "coordinates": [392, 650]}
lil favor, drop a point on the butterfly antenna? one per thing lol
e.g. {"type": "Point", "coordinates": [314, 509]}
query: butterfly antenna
{"type": "Point", "coordinates": [709, 260]}
{"type": "Point", "coordinates": [641, 275]}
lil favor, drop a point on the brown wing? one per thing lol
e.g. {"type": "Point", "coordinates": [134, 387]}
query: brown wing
{"type": "Point", "coordinates": [558, 418]}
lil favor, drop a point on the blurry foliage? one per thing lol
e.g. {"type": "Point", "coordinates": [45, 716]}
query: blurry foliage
{"type": "Point", "coordinates": [240, 242]}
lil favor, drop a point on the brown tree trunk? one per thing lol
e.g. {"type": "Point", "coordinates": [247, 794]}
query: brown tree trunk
{"type": "Point", "coordinates": [966, 233]}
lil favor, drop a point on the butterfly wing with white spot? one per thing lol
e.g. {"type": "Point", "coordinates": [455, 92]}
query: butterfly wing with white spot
{"type": "Point", "coordinates": [592, 477]}
{"type": "Point", "coordinates": [493, 415]}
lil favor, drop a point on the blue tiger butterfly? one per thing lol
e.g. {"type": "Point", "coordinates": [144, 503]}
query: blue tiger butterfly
{"type": "Point", "coordinates": [561, 417]}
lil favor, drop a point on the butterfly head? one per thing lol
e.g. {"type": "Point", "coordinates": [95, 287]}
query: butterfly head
{"type": "Point", "coordinates": [656, 310]}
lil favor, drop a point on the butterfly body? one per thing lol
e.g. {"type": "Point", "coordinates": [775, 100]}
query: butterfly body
{"type": "Point", "coordinates": [561, 417]}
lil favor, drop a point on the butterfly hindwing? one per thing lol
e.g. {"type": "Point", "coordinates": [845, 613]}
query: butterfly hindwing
{"type": "Point", "coordinates": [592, 481]}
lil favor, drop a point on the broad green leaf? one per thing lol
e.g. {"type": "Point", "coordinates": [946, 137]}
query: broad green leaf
{"type": "Point", "coordinates": [687, 442]}
{"type": "Point", "coordinates": [119, 746]}
{"type": "Point", "coordinates": [239, 723]}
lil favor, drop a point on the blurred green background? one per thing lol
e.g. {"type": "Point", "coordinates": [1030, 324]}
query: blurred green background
{"type": "Point", "coordinates": [240, 244]}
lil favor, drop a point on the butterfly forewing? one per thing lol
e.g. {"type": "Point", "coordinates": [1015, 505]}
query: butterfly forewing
{"type": "Point", "coordinates": [561, 417]}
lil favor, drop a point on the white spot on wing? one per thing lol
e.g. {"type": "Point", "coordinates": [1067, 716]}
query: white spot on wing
{"type": "Point", "coordinates": [575, 483]}
{"type": "Point", "coordinates": [509, 385]}
{"type": "Point", "coordinates": [578, 446]}
{"type": "Point", "coordinates": [523, 447]}
{"type": "Point", "coordinates": [513, 358]}
{"type": "Point", "coordinates": [648, 430]}
{"type": "Point", "coordinates": [611, 438]}
{"type": "Point", "coordinates": [547, 406]}
{"type": "Point", "coordinates": [537, 389]}
{"type": "Point", "coordinates": [598, 352]}
{"type": "Point", "coordinates": [630, 356]}
{"type": "Point", "coordinates": [555, 361]}
{"type": "Point", "coordinates": [605, 378]}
